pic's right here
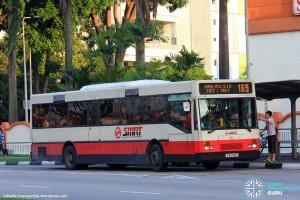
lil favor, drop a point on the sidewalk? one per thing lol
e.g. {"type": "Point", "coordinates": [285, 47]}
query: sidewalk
{"type": "Point", "coordinates": [284, 162]}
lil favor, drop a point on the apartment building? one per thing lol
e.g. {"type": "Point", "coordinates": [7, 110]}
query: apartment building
{"type": "Point", "coordinates": [197, 27]}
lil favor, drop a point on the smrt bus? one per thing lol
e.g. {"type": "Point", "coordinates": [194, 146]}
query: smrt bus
{"type": "Point", "coordinates": [147, 122]}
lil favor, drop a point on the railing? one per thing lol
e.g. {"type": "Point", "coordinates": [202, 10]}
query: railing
{"type": "Point", "coordinates": [285, 137]}
{"type": "Point", "coordinates": [19, 148]}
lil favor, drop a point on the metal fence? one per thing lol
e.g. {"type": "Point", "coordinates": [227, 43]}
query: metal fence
{"type": "Point", "coordinates": [285, 137]}
{"type": "Point", "coordinates": [19, 148]}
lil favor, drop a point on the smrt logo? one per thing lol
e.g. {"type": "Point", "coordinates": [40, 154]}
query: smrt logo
{"type": "Point", "coordinates": [118, 132]}
{"type": "Point", "coordinates": [135, 131]}
{"type": "Point", "coordinates": [296, 6]}
{"type": "Point", "coordinates": [230, 132]}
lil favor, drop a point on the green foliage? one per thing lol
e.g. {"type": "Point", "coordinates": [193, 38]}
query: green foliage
{"type": "Point", "coordinates": [154, 30]}
{"type": "Point", "coordinates": [244, 74]}
{"type": "Point", "coordinates": [17, 7]}
{"type": "Point", "coordinates": [184, 66]}
{"type": "Point", "coordinates": [3, 59]}
{"type": "Point", "coordinates": [173, 5]}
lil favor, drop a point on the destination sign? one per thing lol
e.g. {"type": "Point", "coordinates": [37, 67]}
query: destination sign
{"type": "Point", "coordinates": [226, 88]}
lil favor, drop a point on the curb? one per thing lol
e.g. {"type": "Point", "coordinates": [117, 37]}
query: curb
{"type": "Point", "coordinates": [256, 165]}
{"type": "Point", "coordinates": [253, 165]}
{"type": "Point", "coordinates": [24, 163]}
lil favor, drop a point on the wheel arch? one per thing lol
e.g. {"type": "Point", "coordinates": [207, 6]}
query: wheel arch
{"type": "Point", "coordinates": [149, 146]}
{"type": "Point", "coordinates": [67, 143]}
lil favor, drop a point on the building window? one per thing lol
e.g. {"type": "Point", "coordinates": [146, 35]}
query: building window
{"type": "Point", "coordinates": [215, 39]}
{"type": "Point", "coordinates": [215, 62]}
{"type": "Point", "coordinates": [174, 40]}
{"type": "Point", "coordinates": [213, 2]}
{"type": "Point", "coordinates": [215, 22]}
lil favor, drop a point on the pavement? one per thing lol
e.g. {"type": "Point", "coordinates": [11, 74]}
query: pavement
{"type": "Point", "coordinates": [284, 161]}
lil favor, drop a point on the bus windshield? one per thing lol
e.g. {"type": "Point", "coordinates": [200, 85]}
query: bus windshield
{"type": "Point", "coordinates": [227, 113]}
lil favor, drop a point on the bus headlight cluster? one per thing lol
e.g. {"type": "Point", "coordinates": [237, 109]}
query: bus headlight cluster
{"type": "Point", "coordinates": [252, 145]}
{"type": "Point", "coordinates": [207, 146]}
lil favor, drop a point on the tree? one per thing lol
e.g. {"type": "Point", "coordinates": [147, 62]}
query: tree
{"type": "Point", "coordinates": [14, 13]}
{"type": "Point", "coordinates": [183, 63]}
{"type": "Point", "coordinates": [223, 41]}
{"type": "Point", "coordinates": [143, 9]}
{"type": "Point", "coordinates": [45, 39]}
{"type": "Point", "coordinates": [66, 10]}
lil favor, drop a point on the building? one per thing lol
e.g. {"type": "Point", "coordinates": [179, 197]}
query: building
{"type": "Point", "coordinates": [274, 39]}
{"type": "Point", "coordinates": [197, 27]}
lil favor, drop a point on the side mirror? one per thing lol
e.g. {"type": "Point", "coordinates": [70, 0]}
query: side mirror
{"type": "Point", "coordinates": [186, 106]}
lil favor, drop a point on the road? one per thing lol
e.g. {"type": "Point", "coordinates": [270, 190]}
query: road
{"type": "Point", "coordinates": [100, 182]}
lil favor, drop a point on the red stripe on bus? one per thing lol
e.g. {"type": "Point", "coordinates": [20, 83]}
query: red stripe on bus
{"type": "Point", "coordinates": [176, 147]}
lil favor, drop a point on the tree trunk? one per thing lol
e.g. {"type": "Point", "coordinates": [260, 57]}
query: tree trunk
{"type": "Point", "coordinates": [117, 21]}
{"type": "Point", "coordinates": [143, 13]}
{"type": "Point", "coordinates": [36, 78]}
{"type": "Point", "coordinates": [68, 45]}
{"type": "Point", "coordinates": [12, 87]}
{"type": "Point", "coordinates": [130, 11]}
{"type": "Point", "coordinates": [140, 50]}
{"type": "Point", "coordinates": [47, 72]}
{"type": "Point", "coordinates": [223, 42]}
{"type": "Point", "coordinates": [108, 18]}
{"type": "Point", "coordinates": [12, 76]}
{"type": "Point", "coordinates": [96, 21]}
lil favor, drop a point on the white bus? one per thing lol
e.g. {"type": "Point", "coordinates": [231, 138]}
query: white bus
{"type": "Point", "coordinates": [147, 122]}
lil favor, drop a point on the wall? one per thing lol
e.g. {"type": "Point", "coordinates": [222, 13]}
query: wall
{"type": "Point", "coordinates": [17, 136]}
{"type": "Point", "coordinates": [274, 35]}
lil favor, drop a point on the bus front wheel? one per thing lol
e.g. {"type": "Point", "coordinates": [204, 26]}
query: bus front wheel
{"type": "Point", "coordinates": [157, 158]}
{"type": "Point", "coordinates": [211, 165]}
{"type": "Point", "coordinates": [70, 158]}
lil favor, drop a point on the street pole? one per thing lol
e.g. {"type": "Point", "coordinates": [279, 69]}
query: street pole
{"type": "Point", "coordinates": [25, 77]}
{"type": "Point", "coordinates": [25, 72]}
{"type": "Point", "coordinates": [30, 84]}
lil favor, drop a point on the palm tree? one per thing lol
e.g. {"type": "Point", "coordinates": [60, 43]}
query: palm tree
{"type": "Point", "coordinates": [65, 8]}
{"type": "Point", "coordinates": [184, 61]}
{"type": "Point", "coordinates": [223, 41]}
{"type": "Point", "coordinates": [13, 21]}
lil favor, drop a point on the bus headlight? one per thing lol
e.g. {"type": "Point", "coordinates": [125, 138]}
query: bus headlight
{"type": "Point", "coordinates": [252, 145]}
{"type": "Point", "coordinates": [208, 147]}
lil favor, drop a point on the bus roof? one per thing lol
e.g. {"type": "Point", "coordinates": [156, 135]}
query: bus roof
{"type": "Point", "coordinates": [127, 84]}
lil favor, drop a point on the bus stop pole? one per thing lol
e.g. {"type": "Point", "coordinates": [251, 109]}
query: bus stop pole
{"type": "Point", "coordinates": [294, 130]}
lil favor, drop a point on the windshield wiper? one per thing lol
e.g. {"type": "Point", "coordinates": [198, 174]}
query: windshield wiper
{"type": "Point", "coordinates": [211, 131]}
{"type": "Point", "coordinates": [249, 129]}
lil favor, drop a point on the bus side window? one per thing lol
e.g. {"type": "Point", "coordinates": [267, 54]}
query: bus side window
{"type": "Point", "coordinates": [110, 112]}
{"type": "Point", "coordinates": [178, 117]}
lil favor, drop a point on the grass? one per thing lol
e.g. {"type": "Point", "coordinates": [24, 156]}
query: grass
{"type": "Point", "coordinates": [14, 158]}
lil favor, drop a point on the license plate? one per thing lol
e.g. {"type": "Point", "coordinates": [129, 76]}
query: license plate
{"type": "Point", "coordinates": [231, 155]}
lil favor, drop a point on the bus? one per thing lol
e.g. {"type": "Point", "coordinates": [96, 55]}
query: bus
{"type": "Point", "coordinates": [147, 122]}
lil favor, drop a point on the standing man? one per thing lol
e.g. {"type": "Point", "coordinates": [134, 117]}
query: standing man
{"type": "Point", "coordinates": [2, 141]}
{"type": "Point", "coordinates": [270, 127]}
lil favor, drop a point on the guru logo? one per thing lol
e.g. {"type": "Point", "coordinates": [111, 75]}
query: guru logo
{"type": "Point", "coordinates": [254, 188]}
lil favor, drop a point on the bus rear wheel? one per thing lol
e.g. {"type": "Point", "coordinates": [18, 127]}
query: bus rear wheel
{"type": "Point", "coordinates": [157, 158]}
{"type": "Point", "coordinates": [211, 165]}
{"type": "Point", "coordinates": [70, 158]}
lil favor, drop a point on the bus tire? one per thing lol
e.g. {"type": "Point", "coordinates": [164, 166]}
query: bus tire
{"type": "Point", "coordinates": [211, 165]}
{"type": "Point", "coordinates": [157, 158]}
{"type": "Point", "coordinates": [70, 158]}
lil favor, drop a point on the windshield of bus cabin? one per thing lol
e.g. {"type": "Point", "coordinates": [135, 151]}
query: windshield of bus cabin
{"type": "Point", "coordinates": [227, 113]}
